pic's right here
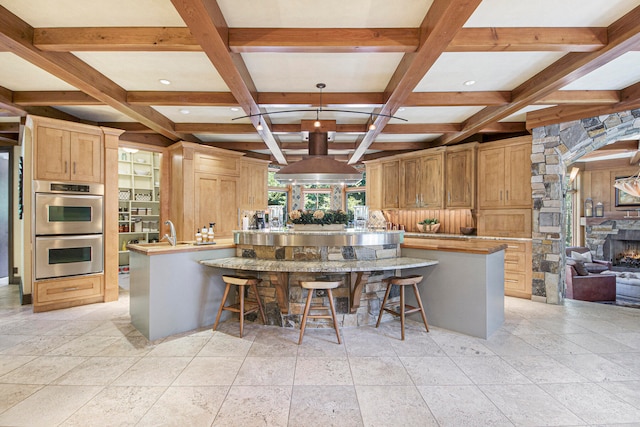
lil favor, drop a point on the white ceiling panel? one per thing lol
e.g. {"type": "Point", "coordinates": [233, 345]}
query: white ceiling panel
{"type": "Point", "coordinates": [341, 72]}
{"type": "Point", "coordinates": [615, 75]}
{"type": "Point", "coordinates": [95, 113]}
{"type": "Point", "coordinates": [322, 14]}
{"type": "Point", "coordinates": [9, 119]}
{"type": "Point", "coordinates": [490, 70]}
{"type": "Point", "coordinates": [435, 114]}
{"type": "Point", "coordinates": [95, 13]}
{"type": "Point", "coordinates": [200, 114]}
{"type": "Point", "coordinates": [18, 75]}
{"type": "Point", "coordinates": [549, 13]}
{"type": "Point", "coordinates": [187, 71]}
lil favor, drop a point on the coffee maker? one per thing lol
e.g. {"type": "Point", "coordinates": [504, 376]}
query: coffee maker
{"type": "Point", "coordinates": [259, 217]}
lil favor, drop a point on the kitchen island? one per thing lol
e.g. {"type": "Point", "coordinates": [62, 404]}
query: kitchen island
{"type": "Point", "coordinates": [175, 289]}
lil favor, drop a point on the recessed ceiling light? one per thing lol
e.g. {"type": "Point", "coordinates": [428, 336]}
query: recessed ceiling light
{"type": "Point", "coordinates": [184, 111]}
{"type": "Point", "coordinates": [469, 83]}
{"type": "Point", "coordinates": [165, 81]}
{"type": "Point", "coordinates": [401, 109]}
{"type": "Point", "coordinates": [235, 109]}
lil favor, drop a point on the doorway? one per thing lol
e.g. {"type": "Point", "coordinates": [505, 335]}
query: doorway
{"type": "Point", "coordinates": [5, 192]}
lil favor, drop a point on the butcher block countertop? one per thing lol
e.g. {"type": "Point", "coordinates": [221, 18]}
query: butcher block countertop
{"type": "Point", "coordinates": [471, 246]}
{"type": "Point", "coordinates": [163, 248]}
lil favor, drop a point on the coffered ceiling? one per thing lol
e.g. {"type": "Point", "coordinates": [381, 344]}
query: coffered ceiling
{"type": "Point", "coordinates": [532, 63]}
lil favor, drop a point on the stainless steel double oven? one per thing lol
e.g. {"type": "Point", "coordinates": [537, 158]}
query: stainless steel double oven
{"type": "Point", "coordinates": [68, 227]}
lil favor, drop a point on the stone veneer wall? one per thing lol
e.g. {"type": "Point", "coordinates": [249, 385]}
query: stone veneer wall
{"type": "Point", "coordinates": [372, 294]}
{"type": "Point", "coordinates": [555, 147]}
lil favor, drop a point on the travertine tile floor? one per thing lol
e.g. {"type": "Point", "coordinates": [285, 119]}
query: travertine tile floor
{"type": "Point", "coordinates": [576, 364]}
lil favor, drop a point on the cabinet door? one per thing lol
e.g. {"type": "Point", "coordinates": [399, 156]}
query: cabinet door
{"type": "Point", "coordinates": [259, 188]}
{"type": "Point", "coordinates": [374, 186]}
{"type": "Point", "coordinates": [244, 192]}
{"type": "Point", "coordinates": [491, 178]}
{"type": "Point", "coordinates": [409, 182]}
{"type": "Point", "coordinates": [390, 176]}
{"type": "Point", "coordinates": [215, 201]}
{"type": "Point", "coordinates": [460, 179]}
{"type": "Point", "coordinates": [518, 176]}
{"type": "Point", "coordinates": [432, 181]}
{"type": "Point", "coordinates": [52, 154]}
{"type": "Point", "coordinates": [86, 157]}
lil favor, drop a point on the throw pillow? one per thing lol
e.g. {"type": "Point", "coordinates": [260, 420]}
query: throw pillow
{"type": "Point", "coordinates": [585, 257]}
{"type": "Point", "coordinates": [580, 268]}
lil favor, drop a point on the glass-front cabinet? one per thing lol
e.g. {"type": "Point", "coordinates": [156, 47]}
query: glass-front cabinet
{"type": "Point", "coordinates": [139, 198]}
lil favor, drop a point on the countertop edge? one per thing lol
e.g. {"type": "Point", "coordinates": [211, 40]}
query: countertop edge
{"type": "Point", "coordinates": [483, 248]}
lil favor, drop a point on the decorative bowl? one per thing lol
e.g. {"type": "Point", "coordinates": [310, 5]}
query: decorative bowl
{"type": "Point", "coordinates": [428, 228]}
{"type": "Point", "coordinates": [467, 230]}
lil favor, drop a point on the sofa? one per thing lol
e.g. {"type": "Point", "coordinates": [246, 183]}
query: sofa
{"type": "Point", "coordinates": [595, 266]}
{"type": "Point", "coordinates": [585, 286]}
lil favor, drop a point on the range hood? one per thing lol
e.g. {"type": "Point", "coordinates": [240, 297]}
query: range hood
{"type": "Point", "coordinates": [318, 167]}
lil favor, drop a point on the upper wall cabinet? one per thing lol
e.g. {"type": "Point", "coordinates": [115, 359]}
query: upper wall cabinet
{"type": "Point", "coordinates": [68, 155]}
{"type": "Point", "coordinates": [204, 188]}
{"type": "Point", "coordinates": [460, 172]}
{"type": "Point", "coordinates": [504, 174]}
{"type": "Point", "coordinates": [422, 181]}
{"type": "Point", "coordinates": [252, 191]}
{"type": "Point", "coordinates": [390, 175]}
{"type": "Point", "coordinates": [374, 185]}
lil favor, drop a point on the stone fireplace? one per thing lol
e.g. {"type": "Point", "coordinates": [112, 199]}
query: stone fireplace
{"type": "Point", "coordinates": [617, 241]}
{"type": "Point", "coordinates": [623, 249]}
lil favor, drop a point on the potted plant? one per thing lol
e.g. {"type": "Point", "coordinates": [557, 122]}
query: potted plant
{"type": "Point", "coordinates": [429, 225]}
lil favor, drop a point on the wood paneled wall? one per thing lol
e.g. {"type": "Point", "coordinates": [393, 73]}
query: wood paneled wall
{"type": "Point", "coordinates": [450, 219]}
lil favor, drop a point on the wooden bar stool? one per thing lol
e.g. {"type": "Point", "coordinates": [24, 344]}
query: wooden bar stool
{"type": "Point", "coordinates": [241, 282]}
{"type": "Point", "coordinates": [404, 308]}
{"type": "Point", "coordinates": [311, 287]}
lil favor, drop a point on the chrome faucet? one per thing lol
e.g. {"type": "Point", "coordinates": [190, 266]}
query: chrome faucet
{"type": "Point", "coordinates": [171, 239]}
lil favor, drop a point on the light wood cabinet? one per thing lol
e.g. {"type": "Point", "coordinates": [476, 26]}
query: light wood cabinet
{"type": "Point", "coordinates": [504, 222]}
{"type": "Point", "coordinates": [252, 186]}
{"type": "Point", "coordinates": [67, 292]}
{"type": "Point", "coordinates": [204, 189]}
{"type": "Point", "coordinates": [374, 185]}
{"type": "Point", "coordinates": [460, 176]}
{"type": "Point", "coordinates": [422, 181]}
{"type": "Point", "coordinates": [215, 201]}
{"type": "Point", "coordinates": [504, 174]}
{"type": "Point", "coordinates": [517, 268]}
{"type": "Point", "coordinates": [390, 182]}
{"type": "Point", "coordinates": [63, 155]}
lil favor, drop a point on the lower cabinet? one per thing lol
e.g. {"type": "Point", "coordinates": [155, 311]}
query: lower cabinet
{"type": "Point", "coordinates": [504, 222]}
{"type": "Point", "coordinates": [517, 269]}
{"type": "Point", "coordinates": [65, 292]}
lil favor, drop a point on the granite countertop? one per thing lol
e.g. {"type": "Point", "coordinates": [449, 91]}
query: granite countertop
{"type": "Point", "coordinates": [163, 248]}
{"type": "Point", "coordinates": [345, 266]}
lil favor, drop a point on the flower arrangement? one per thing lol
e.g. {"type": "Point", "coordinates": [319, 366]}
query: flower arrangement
{"type": "Point", "coordinates": [321, 217]}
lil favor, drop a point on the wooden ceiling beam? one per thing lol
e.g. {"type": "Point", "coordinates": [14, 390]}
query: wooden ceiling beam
{"type": "Point", "coordinates": [443, 20]}
{"type": "Point", "coordinates": [17, 35]}
{"type": "Point", "coordinates": [6, 141]}
{"type": "Point", "coordinates": [518, 39]}
{"type": "Point", "coordinates": [580, 97]}
{"type": "Point", "coordinates": [327, 40]}
{"type": "Point", "coordinates": [7, 104]}
{"type": "Point", "coordinates": [131, 127]}
{"type": "Point", "coordinates": [210, 29]}
{"type": "Point", "coordinates": [302, 40]}
{"type": "Point", "coordinates": [567, 113]}
{"type": "Point", "coordinates": [623, 36]}
{"type": "Point", "coordinates": [57, 98]}
{"type": "Point", "coordinates": [9, 127]}
{"type": "Point", "coordinates": [105, 39]}
{"type": "Point", "coordinates": [210, 99]}
{"type": "Point", "coordinates": [147, 139]}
